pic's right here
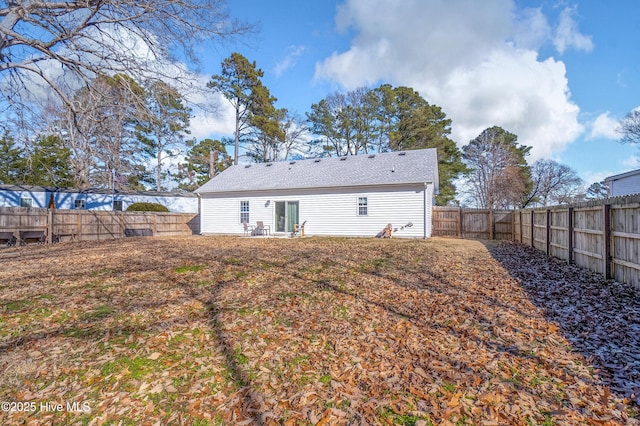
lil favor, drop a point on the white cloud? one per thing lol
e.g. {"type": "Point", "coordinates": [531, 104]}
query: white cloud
{"type": "Point", "coordinates": [471, 58]}
{"type": "Point", "coordinates": [631, 162]}
{"type": "Point", "coordinates": [605, 127]}
{"type": "Point", "coordinates": [567, 33]}
{"type": "Point", "coordinates": [515, 91]}
{"type": "Point", "coordinates": [532, 29]}
{"type": "Point", "coordinates": [291, 58]}
{"type": "Point", "coordinates": [206, 124]}
{"type": "Point", "coordinates": [212, 114]}
{"type": "Point", "coordinates": [590, 177]}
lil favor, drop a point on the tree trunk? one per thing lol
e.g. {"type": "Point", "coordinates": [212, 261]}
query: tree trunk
{"type": "Point", "coordinates": [159, 171]}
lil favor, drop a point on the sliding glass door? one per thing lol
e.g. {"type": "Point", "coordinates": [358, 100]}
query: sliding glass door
{"type": "Point", "coordinates": [286, 215]}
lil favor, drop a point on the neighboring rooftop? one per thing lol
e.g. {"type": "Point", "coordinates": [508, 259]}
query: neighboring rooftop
{"type": "Point", "coordinates": [405, 167]}
{"type": "Point", "coordinates": [622, 175]}
{"type": "Point", "coordinates": [32, 188]}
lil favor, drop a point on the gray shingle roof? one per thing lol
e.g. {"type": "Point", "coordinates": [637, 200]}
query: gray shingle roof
{"type": "Point", "coordinates": [417, 166]}
{"type": "Point", "coordinates": [622, 175]}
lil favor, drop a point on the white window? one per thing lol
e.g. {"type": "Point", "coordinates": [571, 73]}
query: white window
{"type": "Point", "coordinates": [244, 211]}
{"type": "Point", "coordinates": [362, 206]}
{"type": "Point", "coordinates": [117, 205]}
{"type": "Point", "coordinates": [26, 202]}
{"type": "Point", "coordinates": [78, 204]}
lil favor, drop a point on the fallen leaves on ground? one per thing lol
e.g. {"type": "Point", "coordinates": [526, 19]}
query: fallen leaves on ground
{"type": "Point", "coordinates": [323, 331]}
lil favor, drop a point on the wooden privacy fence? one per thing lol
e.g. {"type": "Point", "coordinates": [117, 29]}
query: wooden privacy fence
{"type": "Point", "coordinates": [602, 236]}
{"type": "Point", "coordinates": [61, 225]}
{"type": "Point", "coordinates": [472, 223]}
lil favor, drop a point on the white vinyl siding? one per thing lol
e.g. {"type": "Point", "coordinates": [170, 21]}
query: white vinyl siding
{"type": "Point", "coordinates": [327, 211]}
{"type": "Point", "coordinates": [625, 186]}
{"type": "Point", "coordinates": [184, 203]}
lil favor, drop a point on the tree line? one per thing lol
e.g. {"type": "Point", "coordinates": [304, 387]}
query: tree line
{"type": "Point", "coordinates": [119, 132]}
{"type": "Point", "coordinates": [95, 98]}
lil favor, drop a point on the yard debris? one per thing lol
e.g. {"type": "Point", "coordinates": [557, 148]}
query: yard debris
{"type": "Point", "coordinates": [324, 331]}
{"type": "Point", "coordinates": [386, 232]}
{"type": "Point", "coordinates": [600, 318]}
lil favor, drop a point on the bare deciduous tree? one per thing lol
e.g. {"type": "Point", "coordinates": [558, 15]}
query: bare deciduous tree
{"type": "Point", "coordinates": [554, 183]}
{"type": "Point", "coordinates": [98, 130]}
{"type": "Point", "coordinates": [285, 142]}
{"type": "Point", "coordinates": [500, 177]}
{"type": "Point", "coordinates": [57, 47]}
{"type": "Point", "coordinates": [630, 127]}
{"type": "Point", "coordinates": [296, 133]}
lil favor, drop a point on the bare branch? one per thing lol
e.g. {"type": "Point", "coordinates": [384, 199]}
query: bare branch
{"type": "Point", "coordinates": [630, 127]}
{"type": "Point", "coordinates": [82, 39]}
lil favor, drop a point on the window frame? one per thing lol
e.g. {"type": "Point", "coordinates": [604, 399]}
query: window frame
{"type": "Point", "coordinates": [363, 206]}
{"type": "Point", "coordinates": [81, 202]}
{"type": "Point", "coordinates": [119, 202]}
{"type": "Point", "coordinates": [245, 211]}
{"type": "Point", "coordinates": [26, 201]}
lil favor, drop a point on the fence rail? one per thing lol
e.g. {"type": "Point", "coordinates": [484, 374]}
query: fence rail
{"type": "Point", "coordinates": [62, 225]}
{"type": "Point", "coordinates": [602, 236]}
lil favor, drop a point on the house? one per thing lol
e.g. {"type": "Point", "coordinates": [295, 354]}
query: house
{"type": "Point", "coordinates": [624, 184]}
{"type": "Point", "coordinates": [92, 199]}
{"type": "Point", "coordinates": [340, 196]}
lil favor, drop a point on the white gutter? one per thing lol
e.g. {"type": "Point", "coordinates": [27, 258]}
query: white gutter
{"type": "Point", "coordinates": [424, 211]}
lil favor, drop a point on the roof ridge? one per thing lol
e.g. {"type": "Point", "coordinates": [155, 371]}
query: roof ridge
{"type": "Point", "coordinates": [387, 168]}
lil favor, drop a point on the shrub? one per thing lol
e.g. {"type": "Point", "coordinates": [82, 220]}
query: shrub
{"type": "Point", "coordinates": [147, 207]}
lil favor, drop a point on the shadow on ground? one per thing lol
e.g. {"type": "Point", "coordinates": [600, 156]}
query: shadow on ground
{"type": "Point", "coordinates": [599, 317]}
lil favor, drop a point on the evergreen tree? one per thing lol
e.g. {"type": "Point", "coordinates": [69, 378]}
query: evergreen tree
{"type": "Point", "coordinates": [419, 125]}
{"type": "Point", "coordinates": [204, 161]}
{"type": "Point", "coordinates": [48, 164]}
{"type": "Point", "coordinates": [13, 162]}
{"type": "Point", "coordinates": [163, 124]}
{"type": "Point", "coordinates": [387, 119]}
{"type": "Point", "coordinates": [254, 107]}
{"type": "Point", "coordinates": [597, 190]}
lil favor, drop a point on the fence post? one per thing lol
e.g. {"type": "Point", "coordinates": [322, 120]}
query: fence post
{"type": "Point", "coordinates": [120, 224]}
{"type": "Point", "coordinates": [79, 225]}
{"type": "Point", "coordinates": [532, 227]}
{"type": "Point", "coordinates": [548, 236]}
{"type": "Point", "coordinates": [521, 238]}
{"type": "Point", "coordinates": [606, 211]}
{"type": "Point", "coordinates": [491, 225]}
{"type": "Point", "coordinates": [570, 230]}
{"type": "Point", "coordinates": [49, 226]}
{"type": "Point", "coordinates": [459, 222]}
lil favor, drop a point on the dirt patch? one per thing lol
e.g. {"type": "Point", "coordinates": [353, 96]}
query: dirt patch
{"type": "Point", "coordinates": [208, 330]}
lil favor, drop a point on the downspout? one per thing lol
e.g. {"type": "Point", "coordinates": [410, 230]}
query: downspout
{"type": "Point", "coordinates": [199, 212]}
{"type": "Point", "coordinates": [424, 211]}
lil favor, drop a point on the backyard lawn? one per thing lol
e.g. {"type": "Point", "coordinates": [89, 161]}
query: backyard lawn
{"type": "Point", "coordinates": [323, 331]}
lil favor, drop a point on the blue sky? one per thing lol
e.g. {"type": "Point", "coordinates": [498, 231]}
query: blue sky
{"type": "Point", "coordinates": [558, 74]}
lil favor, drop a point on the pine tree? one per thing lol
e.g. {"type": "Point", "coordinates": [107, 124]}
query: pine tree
{"type": "Point", "coordinates": [12, 164]}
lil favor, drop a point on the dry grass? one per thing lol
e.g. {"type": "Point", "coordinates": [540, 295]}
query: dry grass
{"type": "Point", "coordinates": [205, 331]}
